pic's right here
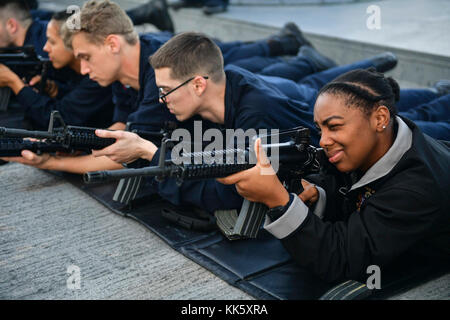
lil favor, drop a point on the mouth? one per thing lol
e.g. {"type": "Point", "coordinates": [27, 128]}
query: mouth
{"type": "Point", "coordinates": [335, 156]}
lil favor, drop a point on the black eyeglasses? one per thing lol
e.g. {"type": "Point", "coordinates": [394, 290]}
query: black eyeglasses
{"type": "Point", "coordinates": [163, 95]}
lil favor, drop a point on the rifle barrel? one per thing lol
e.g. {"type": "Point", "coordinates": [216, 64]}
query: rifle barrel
{"type": "Point", "coordinates": [20, 133]}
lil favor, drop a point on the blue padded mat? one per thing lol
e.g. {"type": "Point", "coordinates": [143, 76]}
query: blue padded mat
{"type": "Point", "coordinates": [261, 267]}
{"type": "Point", "coordinates": [244, 264]}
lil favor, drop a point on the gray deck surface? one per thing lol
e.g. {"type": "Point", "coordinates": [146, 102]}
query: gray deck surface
{"type": "Point", "coordinates": [418, 25]}
{"type": "Point", "coordinates": [47, 225]}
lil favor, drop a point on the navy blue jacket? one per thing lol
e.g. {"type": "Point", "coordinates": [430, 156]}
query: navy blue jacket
{"type": "Point", "coordinates": [85, 103]}
{"type": "Point", "coordinates": [251, 101]}
{"type": "Point", "coordinates": [81, 102]}
{"type": "Point", "coordinates": [37, 36]}
{"type": "Point", "coordinates": [394, 216]}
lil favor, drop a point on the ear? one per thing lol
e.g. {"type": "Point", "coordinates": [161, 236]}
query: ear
{"type": "Point", "coordinates": [200, 85]}
{"type": "Point", "coordinates": [12, 25]}
{"type": "Point", "coordinates": [113, 43]}
{"type": "Point", "coordinates": [381, 118]}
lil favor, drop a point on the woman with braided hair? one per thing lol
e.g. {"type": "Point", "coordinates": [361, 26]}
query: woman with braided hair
{"type": "Point", "coordinates": [381, 199]}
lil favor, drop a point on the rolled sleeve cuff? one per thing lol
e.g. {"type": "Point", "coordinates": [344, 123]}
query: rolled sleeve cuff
{"type": "Point", "coordinates": [321, 203]}
{"type": "Point", "coordinates": [155, 159]}
{"type": "Point", "coordinates": [288, 222]}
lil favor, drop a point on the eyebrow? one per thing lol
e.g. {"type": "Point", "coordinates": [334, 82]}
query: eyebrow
{"type": "Point", "coordinates": [325, 122]}
{"type": "Point", "coordinates": [82, 55]}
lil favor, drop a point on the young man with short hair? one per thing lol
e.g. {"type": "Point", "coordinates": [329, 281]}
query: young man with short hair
{"type": "Point", "coordinates": [84, 102]}
{"type": "Point", "coordinates": [17, 28]}
{"type": "Point", "coordinates": [112, 54]}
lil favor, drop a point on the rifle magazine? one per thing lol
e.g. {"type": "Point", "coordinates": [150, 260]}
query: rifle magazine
{"type": "Point", "coordinates": [242, 226]}
{"type": "Point", "coordinates": [127, 190]}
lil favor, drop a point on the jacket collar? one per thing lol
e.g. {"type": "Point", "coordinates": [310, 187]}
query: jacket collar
{"type": "Point", "coordinates": [382, 167]}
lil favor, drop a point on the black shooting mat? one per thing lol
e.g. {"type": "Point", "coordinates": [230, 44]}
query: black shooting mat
{"type": "Point", "coordinates": [260, 267]}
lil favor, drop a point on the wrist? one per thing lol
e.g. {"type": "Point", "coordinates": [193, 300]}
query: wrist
{"type": "Point", "coordinates": [281, 199]}
{"type": "Point", "coordinates": [147, 149]}
{"type": "Point", "coordinates": [16, 84]}
{"type": "Point", "coordinates": [49, 163]}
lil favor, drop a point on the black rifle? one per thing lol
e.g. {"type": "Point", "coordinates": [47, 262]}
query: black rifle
{"type": "Point", "coordinates": [296, 158]}
{"type": "Point", "coordinates": [63, 138]}
{"type": "Point", "coordinates": [26, 64]}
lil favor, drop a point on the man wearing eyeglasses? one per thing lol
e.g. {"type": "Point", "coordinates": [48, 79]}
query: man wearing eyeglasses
{"type": "Point", "coordinates": [112, 54]}
{"type": "Point", "coordinates": [192, 81]}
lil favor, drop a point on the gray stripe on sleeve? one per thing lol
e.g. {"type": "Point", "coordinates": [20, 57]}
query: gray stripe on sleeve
{"type": "Point", "coordinates": [321, 203]}
{"type": "Point", "coordinates": [288, 222]}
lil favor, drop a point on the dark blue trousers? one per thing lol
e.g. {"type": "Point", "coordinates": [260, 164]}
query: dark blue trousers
{"type": "Point", "coordinates": [435, 110]}
{"type": "Point", "coordinates": [319, 79]}
{"type": "Point", "coordinates": [294, 69]}
{"type": "Point", "coordinates": [242, 51]}
{"type": "Point", "coordinates": [439, 130]}
{"type": "Point", "coordinates": [207, 2]}
{"type": "Point", "coordinates": [423, 106]}
{"type": "Point", "coordinates": [432, 116]}
{"type": "Point", "coordinates": [410, 98]}
{"type": "Point", "coordinates": [258, 64]}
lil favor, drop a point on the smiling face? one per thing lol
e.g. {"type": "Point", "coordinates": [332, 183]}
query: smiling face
{"type": "Point", "coordinates": [182, 101]}
{"type": "Point", "coordinates": [100, 61]}
{"type": "Point", "coordinates": [348, 136]}
{"type": "Point", "coordinates": [55, 48]}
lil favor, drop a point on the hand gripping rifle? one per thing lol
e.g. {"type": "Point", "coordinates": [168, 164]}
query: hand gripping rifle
{"type": "Point", "coordinates": [295, 155]}
{"type": "Point", "coordinates": [26, 64]}
{"type": "Point", "coordinates": [63, 138]}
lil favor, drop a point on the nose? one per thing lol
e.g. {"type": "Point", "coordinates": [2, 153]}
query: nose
{"type": "Point", "coordinates": [325, 140]}
{"type": "Point", "coordinates": [47, 47]}
{"type": "Point", "coordinates": [84, 68]}
{"type": "Point", "coordinates": [163, 100]}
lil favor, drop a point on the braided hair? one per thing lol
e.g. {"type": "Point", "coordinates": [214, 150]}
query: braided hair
{"type": "Point", "coordinates": [365, 89]}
